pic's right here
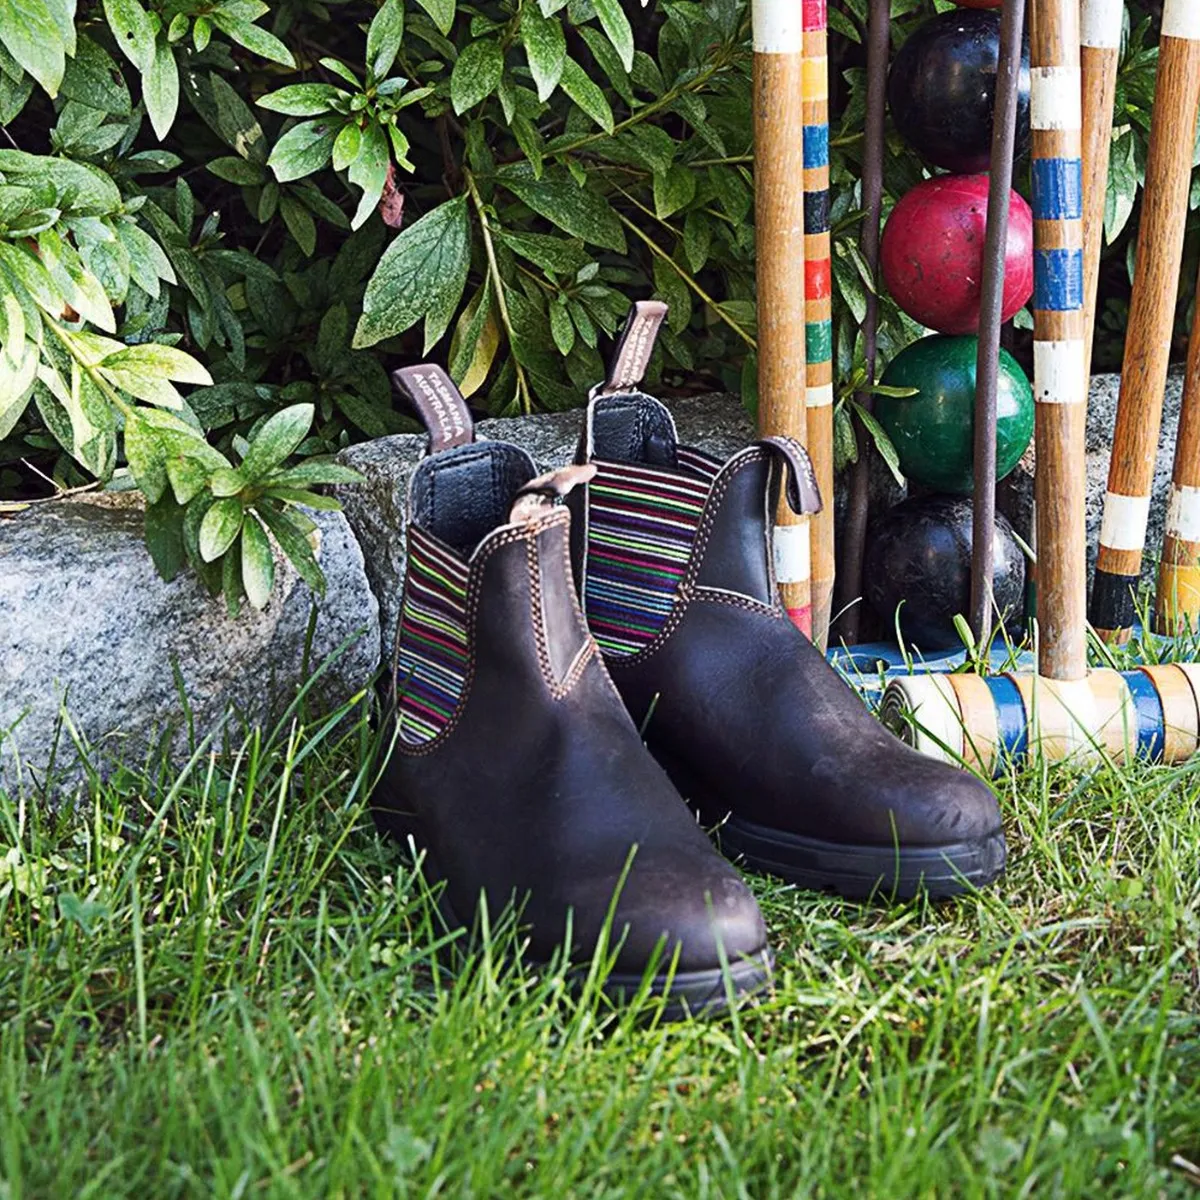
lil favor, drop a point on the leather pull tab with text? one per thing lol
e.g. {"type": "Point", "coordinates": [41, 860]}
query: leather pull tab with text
{"type": "Point", "coordinates": [438, 403]}
{"type": "Point", "coordinates": [635, 346]}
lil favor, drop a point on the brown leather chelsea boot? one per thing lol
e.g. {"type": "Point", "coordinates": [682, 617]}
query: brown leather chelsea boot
{"type": "Point", "coordinates": [515, 767]}
{"type": "Point", "coordinates": [674, 561]}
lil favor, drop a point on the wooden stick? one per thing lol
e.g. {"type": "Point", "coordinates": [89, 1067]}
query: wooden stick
{"type": "Point", "coordinates": [987, 365]}
{"type": "Point", "coordinates": [818, 299]}
{"type": "Point", "coordinates": [854, 536]}
{"type": "Point", "coordinates": [1151, 319]}
{"type": "Point", "coordinates": [1099, 59]}
{"type": "Point", "coordinates": [1177, 604]}
{"type": "Point", "coordinates": [1060, 374]}
{"type": "Point", "coordinates": [779, 220]}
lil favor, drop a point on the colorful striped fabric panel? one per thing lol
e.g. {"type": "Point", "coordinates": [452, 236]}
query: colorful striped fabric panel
{"type": "Point", "coordinates": [642, 523]}
{"type": "Point", "coordinates": [432, 663]}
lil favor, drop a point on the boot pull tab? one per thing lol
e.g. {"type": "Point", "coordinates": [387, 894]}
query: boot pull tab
{"type": "Point", "coordinates": [548, 491]}
{"type": "Point", "coordinates": [627, 368]}
{"type": "Point", "coordinates": [803, 494]}
{"type": "Point", "coordinates": [439, 404]}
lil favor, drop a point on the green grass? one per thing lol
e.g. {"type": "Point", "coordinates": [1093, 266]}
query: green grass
{"type": "Point", "coordinates": [221, 982]}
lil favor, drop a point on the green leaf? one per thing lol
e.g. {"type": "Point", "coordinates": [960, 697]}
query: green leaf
{"type": "Point", "coordinates": [587, 95]}
{"type": "Point", "coordinates": [188, 476]}
{"type": "Point", "coordinates": [441, 12]}
{"type": "Point", "coordinates": [258, 563]}
{"type": "Point", "coordinates": [369, 171]}
{"type": "Point", "coordinates": [300, 224]}
{"type": "Point", "coordinates": [545, 49]}
{"type": "Point", "coordinates": [220, 527]}
{"type": "Point", "coordinates": [257, 41]}
{"type": "Point", "coordinates": [226, 482]}
{"type": "Point", "coordinates": [93, 77]}
{"type": "Point", "coordinates": [476, 74]}
{"type": "Point", "coordinates": [346, 146]}
{"type": "Point", "coordinates": [160, 90]}
{"type": "Point", "coordinates": [146, 456]}
{"type": "Point", "coordinates": [312, 474]}
{"type": "Point", "coordinates": [295, 545]}
{"type": "Point", "coordinates": [82, 188]}
{"type": "Point", "coordinates": [615, 23]}
{"type": "Point", "coordinates": [383, 38]}
{"type": "Point", "coordinates": [32, 37]}
{"type": "Point", "coordinates": [674, 189]}
{"type": "Point", "coordinates": [132, 30]}
{"type": "Point", "coordinates": [303, 99]}
{"type": "Point", "coordinates": [428, 261]}
{"type": "Point", "coordinates": [553, 254]}
{"type": "Point", "coordinates": [277, 438]}
{"type": "Point", "coordinates": [561, 329]}
{"type": "Point", "coordinates": [237, 170]}
{"type": "Point", "coordinates": [163, 531]}
{"type": "Point", "coordinates": [302, 150]}
{"type": "Point", "coordinates": [575, 210]}
{"type": "Point", "coordinates": [883, 443]}
{"type": "Point", "coordinates": [167, 362]}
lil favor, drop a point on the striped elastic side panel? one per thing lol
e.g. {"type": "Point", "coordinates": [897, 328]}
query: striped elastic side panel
{"type": "Point", "coordinates": [642, 523]}
{"type": "Point", "coordinates": [432, 662]}
{"type": "Point", "coordinates": [698, 462]}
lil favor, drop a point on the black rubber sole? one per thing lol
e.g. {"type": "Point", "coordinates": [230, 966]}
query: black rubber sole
{"type": "Point", "coordinates": [685, 994]}
{"type": "Point", "coordinates": [859, 872]}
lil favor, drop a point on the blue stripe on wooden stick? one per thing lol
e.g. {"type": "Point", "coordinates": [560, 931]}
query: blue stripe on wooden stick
{"type": "Point", "coordinates": [816, 146]}
{"type": "Point", "coordinates": [1058, 189]}
{"type": "Point", "coordinates": [1058, 280]}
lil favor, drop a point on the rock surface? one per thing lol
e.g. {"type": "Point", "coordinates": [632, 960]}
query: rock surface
{"type": "Point", "coordinates": [86, 622]}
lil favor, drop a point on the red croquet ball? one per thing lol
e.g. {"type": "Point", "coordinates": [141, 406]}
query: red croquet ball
{"type": "Point", "coordinates": [932, 253]}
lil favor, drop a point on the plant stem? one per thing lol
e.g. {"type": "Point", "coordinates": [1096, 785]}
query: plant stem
{"type": "Point", "coordinates": [498, 283]}
{"type": "Point", "coordinates": [657, 250]}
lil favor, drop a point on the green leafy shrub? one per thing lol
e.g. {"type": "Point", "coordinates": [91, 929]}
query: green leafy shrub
{"type": "Point", "coordinates": [264, 204]}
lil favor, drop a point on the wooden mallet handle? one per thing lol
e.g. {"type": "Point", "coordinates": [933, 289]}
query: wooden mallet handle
{"type": "Point", "coordinates": [779, 223]}
{"type": "Point", "coordinates": [1151, 320]}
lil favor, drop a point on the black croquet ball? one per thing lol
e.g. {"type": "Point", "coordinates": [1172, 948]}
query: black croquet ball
{"type": "Point", "coordinates": [919, 558]}
{"type": "Point", "coordinates": [942, 90]}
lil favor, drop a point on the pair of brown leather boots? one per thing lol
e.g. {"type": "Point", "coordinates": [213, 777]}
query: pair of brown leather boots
{"type": "Point", "coordinates": [551, 623]}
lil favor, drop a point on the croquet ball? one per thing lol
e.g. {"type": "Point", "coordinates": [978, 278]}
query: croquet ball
{"type": "Point", "coordinates": [932, 253]}
{"type": "Point", "coordinates": [933, 429]}
{"type": "Point", "coordinates": [918, 559]}
{"type": "Point", "coordinates": [941, 90]}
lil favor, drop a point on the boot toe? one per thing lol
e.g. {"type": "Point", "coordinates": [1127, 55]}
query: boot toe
{"type": "Point", "coordinates": [936, 804]}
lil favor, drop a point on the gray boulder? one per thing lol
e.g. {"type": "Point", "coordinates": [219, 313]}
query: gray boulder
{"type": "Point", "coordinates": [88, 627]}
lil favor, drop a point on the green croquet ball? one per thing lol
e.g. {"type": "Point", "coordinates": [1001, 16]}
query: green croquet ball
{"type": "Point", "coordinates": [933, 430]}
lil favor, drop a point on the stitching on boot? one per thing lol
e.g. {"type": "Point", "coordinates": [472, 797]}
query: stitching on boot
{"type": "Point", "coordinates": [737, 600]}
{"type": "Point", "coordinates": [558, 687]}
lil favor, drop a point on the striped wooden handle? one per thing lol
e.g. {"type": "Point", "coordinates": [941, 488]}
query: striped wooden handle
{"type": "Point", "coordinates": [1100, 57]}
{"type": "Point", "coordinates": [779, 222]}
{"type": "Point", "coordinates": [1151, 319]}
{"type": "Point", "coordinates": [1060, 373]}
{"type": "Point", "coordinates": [818, 299]}
{"type": "Point", "coordinates": [1177, 603]}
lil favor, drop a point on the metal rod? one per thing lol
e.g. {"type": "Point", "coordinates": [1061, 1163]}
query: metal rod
{"type": "Point", "coordinates": [987, 368]}
{"type": "Point", "coordinates": [854, 538]}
